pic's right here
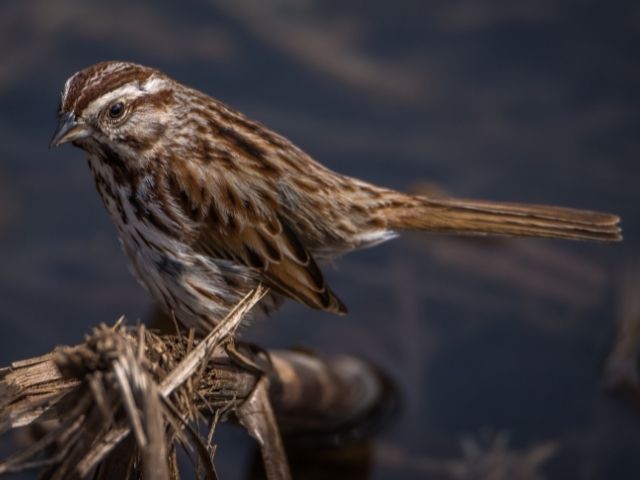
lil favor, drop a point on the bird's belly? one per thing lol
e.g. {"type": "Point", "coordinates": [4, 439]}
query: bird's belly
{"type": "Point", "coordinates": [198, 290]}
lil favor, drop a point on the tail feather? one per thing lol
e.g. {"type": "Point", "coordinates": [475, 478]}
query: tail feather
{"type": "Point", "coordinates": [473, 217]}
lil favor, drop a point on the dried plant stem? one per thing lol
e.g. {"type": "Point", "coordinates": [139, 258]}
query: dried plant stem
{"type": "Point", "coordinates": [127, 398]}
{"type": "Point", "coordinates": [257, 416]}
{"type": "Point", "coordinates": [176, 377]}
{"type": "Point", "coordinates": [204, 350]}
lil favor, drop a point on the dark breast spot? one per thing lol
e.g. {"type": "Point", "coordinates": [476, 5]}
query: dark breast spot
{"type": "Point", "coordinates": [152, 219]}
{"type": "Point", "coordinates": [121, 211]}
{"type": "Point", "coordinates": [137, 208]}
{"type": "Point", "coordinates": [169, 266]}
{"type": "Point", "coordinates": [121, 174]}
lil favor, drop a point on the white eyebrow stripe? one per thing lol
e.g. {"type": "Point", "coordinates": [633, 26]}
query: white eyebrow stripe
{"type": "Point", "coordinates": [154, 84]}
{"type": "Point", "coordinates": [67, 84]}
{"type": "Point", "coordinates": [127, 92]}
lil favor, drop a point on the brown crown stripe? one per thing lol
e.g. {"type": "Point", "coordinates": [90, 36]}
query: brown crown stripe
{"type": "Point", "coordinates": [90, 76]}
{"type": "Point", "coordinates": [75, 90]}
{"type": "Point", "coordinates": [85, 88]}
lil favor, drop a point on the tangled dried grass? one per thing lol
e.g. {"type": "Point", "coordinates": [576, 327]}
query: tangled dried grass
{"type": "Point", "coordinates": [122, 403]}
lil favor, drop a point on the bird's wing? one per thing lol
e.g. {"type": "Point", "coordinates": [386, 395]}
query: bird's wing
{"type": "Point", "coordinates": [275, 251]}
{"type": "Point", "coordinates": [241, 225]}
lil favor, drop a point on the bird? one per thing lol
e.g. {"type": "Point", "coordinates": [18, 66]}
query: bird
{"type": "Point", "coordinates": [209, 204]}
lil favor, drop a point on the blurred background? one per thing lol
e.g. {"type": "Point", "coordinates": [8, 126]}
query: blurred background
{"type": "Point", "coordinates": [512, 356]}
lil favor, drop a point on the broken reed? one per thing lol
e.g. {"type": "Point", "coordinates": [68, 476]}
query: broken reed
{"type": "Point", "coordinates": [123, 402]}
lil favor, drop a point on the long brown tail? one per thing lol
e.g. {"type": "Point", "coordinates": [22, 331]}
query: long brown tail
{"type": "Point", "coordinates": [473, 217]}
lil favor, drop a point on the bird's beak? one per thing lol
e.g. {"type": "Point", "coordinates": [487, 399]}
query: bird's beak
{"type": "Point", "coordinates": [69, 129]}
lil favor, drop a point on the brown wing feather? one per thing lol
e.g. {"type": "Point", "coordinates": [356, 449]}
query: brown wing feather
{"type": "Point", "coordinates": [233, 227]}
{"type": "Point", "coordinates": [283, 262]}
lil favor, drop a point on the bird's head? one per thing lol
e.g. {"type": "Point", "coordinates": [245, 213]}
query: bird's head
{"type": "Point", "coordinates": [121, 106]}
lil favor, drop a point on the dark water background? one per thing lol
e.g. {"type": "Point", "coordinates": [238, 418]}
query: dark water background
{"type": "Point", "coordinates": [494, 345]}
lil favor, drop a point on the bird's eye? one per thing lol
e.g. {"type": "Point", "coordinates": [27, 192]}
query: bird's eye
{"type": "Point", "coordinates": [116, 110]}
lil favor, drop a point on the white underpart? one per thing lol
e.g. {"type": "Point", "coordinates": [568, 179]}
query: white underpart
{"type": "Point", "coordinates": [376, 237]}
{"type": "Point", "coordinates": [173, 290]}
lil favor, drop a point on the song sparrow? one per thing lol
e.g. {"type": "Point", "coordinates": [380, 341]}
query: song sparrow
{"type": "Point", "coordinates": [209, 203]}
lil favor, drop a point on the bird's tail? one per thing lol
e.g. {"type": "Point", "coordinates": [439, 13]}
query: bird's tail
{"type": "Point", "coordinates": [474, 217]}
